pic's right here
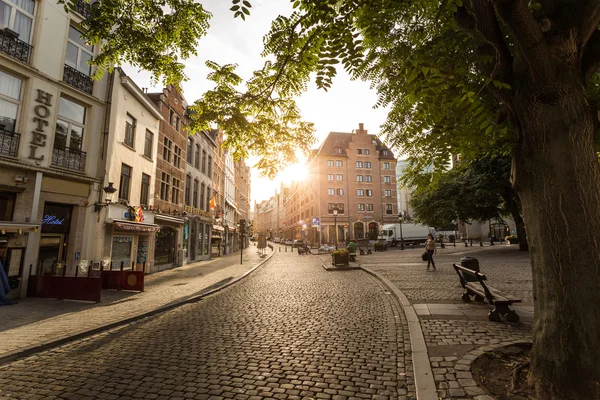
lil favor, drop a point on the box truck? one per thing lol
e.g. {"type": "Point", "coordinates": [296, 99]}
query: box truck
{"type": "Point", "coordinates": [411, 233]}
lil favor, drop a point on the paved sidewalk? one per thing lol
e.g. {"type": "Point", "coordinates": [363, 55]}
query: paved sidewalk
{"type": "Point", "coordinates": [37, 321]}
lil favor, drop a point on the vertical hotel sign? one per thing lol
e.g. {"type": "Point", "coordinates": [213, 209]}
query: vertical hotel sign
{"type": "Point", "coordinates": [42, 112]}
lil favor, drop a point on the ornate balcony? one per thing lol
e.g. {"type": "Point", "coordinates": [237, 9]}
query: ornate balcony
{"type": "Point", "coordinates": [9, 143]}
{"type": "Point", "coordinates": [83, 8]}
{"type": "Point", "coordinates": [11, 45]}
{"type": "Point", "coordinates": [68, 158]}
{"type": "Point", "coordinates": [77, 79]}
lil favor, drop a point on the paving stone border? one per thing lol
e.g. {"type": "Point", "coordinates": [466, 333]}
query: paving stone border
{"type": "Point", "coordinates": [454, 376]}
{"type": "Point", "coordinates": [346, 268]}
{"type": "Point", "coordinates": [424, 383]}
{"type": "Point", "coordinates": [22, 353]}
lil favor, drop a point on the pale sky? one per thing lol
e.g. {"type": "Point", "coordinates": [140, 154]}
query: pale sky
{"type": "Point", "coordinates": [235, 41]}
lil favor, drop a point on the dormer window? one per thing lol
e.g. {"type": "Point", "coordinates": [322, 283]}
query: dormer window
{"type": "Point", "coordinates": [338, 150]}
{"type": "Point", "coordinates": [384, 152]}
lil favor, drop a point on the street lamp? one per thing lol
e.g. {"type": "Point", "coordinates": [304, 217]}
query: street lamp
{"type": "Point", "coordinates": [109, 191]}
{"type": "Point", "coordinates": [401, 220]}
{"type": "Point", "coordinates": [335, 213]}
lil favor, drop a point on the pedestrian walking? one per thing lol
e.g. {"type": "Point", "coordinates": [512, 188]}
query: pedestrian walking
{"type": "Point", "coordinates": [431, 250]}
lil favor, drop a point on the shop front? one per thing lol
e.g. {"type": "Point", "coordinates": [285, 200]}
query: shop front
{"type": "Point", "coordinates": [200, 225]}
{"type": "Point", "coordinates": [54, 238]}
{"type": "Point", "coordinates": [169, 251]}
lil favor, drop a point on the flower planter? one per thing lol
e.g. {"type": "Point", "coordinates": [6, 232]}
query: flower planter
{"type": "Point", "coordinates": [340, 259]}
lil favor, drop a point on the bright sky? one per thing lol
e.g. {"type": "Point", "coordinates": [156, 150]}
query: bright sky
{"type": "Point", "coordinates": [231, 40]}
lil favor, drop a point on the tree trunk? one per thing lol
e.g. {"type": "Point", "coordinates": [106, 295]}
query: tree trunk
{"type": "Point", "coordinates": [515, 212]}
{"type": "Point", "coordinates": [557, 176]}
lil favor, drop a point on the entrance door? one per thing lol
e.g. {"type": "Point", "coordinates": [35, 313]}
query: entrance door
{"type": "Point", "coordinates": [373, 230]}
{"type": "Point", "coordinates": [50, 256]}
{"type": "Point", "coordinates": [193, 241]}
{"type": "Point", "coordinates": [164, 251]}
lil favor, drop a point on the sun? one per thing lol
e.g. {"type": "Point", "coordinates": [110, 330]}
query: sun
{"type": "Point", "coordinates": [295, 172]}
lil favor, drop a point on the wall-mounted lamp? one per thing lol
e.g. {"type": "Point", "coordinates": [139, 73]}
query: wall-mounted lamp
{"type": "Point", "coordinates": [109, 191]}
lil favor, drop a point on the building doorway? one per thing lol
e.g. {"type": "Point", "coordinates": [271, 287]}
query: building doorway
{"type": "Point", "coordinates": [359, 231]}
{"type": "Point", "coordinates": [373, 230]}
{"type": "Point", "coordinates": [164, 252]}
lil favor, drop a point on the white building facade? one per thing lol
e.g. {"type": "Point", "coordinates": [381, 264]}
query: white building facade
{"type": "Point", "coordinates": [230, 217]}
{"type": "Point", "coordinates": [51, 118]}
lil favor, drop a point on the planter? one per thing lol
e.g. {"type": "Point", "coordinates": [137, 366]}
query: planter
{"type": "Point", "coordinates": [513, 240]}
{"type": "Point", "coordinates": [340, 259]}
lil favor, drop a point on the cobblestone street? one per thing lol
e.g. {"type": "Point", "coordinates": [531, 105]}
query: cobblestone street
{"type": "Point", "coordinates": [288, 331]}
{"type": "Point", "coordinates": [455, 332]}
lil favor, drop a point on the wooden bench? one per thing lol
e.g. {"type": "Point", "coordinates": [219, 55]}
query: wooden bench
{"type": "Point", "coordinates": [474, 284]}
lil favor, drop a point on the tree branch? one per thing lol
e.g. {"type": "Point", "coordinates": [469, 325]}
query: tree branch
{"type": "Point", "coordinates": [590, 58]}
{"type": "Point", "coordinates": [528, 36]}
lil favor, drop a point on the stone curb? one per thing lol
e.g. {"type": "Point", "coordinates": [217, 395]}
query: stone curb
{"type": "Point", "coordinates": [18, 354]}
{"type": "Point", "coordinates": [423, 375]}
{"type": "Point", "coordinates": [466, 362]}
{"type": "Point", "coordinates": [347, 268]}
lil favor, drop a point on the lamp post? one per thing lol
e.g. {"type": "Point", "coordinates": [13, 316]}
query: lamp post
{"type": "Point", "coordinates": [109, 191]}
{"type": "Point", "coordinates": [335, 213]}
{"type": "Point", "coordinates": [401, 220]}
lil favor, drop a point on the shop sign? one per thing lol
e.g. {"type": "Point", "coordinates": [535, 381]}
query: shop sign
{"type": "Point", "coordinates": [57, 218]}
{"type": "Point", "coordinates": [196, 211]}
{"type": "Point", "coordinates": [42, 113]}
{"type": "Point", "coordinates": [52, 220]}
{"type": "Point", "coordinates": [315, 221]}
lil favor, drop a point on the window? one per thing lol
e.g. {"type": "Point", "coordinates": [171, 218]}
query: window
{"type": "Point", "coordinates": [388, 193]}
{"type": "Point", "coordinates": [388, 209]}
{"type": "Point", "coordinates": [368, 178]}
{"type": "Point", "coordinates": [338, 150]}
{"type": "Point", "coordinates": [130, 124]}
{"type": "Point", "coordinates": [340, 192]}
{"type": "Point", "coordinates": [7, 205]}
{"type": "Point", "coordinates": [202, 187]}
{"type": "Point", "coordinates": [330, 177]}
{"type": "Point", "coordinates": [341, 208]}
{"type": "Point", "coordinates": [175, 191]}
{"type": "Point", "coordinates": [69, 125]}
{"type": "Point", "coordinates": [171, 117]}
{"type": "Point", "coordinates": [359, 151]}
{"type": "Point", "coordinates": [165, 186]}
{"type": "Point", "coordinates": [204, 161]}
{"type": "Point", "coordinates": [369, 193]}
{"type": "Point", "coordinates": [177, 157]}
{"type": "Point", "coordinates": [167, 144]}
{"type": "Point", "coordinates": [359, 178]}
{"type": "Point", "coordinates": [145, 193]}
{"type": "Point", "coordinates": [190, 151]}
{"type": "Point", "coordinates": [208, 198]}
{"type": "Point", "coordinates": [339, 163]}
{"type": "Point", "coordinates": [188, 188]}
{"type": "Point", "coordinates": [197, 157]}
{"type": "Point", "coordinates": [331, 191]}
{"type": "Point", "coordinates": [339, 177]}
{"type": "Point", "coordinates": [384, 152]}
{"type": "Point", "coordinates": [386, 165]}
{"type": "Point", "coordinates": [339, 205]}
{"type": "Point", "coordinates": [360, 192]}
{"type": "Point", "coordinates": [386, 179]}
{"type": "Point", "coordinates": [366, 152]}
{"type": "Point", "coordinates": [195, 193]}
{"type": "Point", "coordinates": [148, 140]}
{"type": "Point", "coordinates": [368, 164]}
{"type": "Point", "coordinates": [17, 15]}
{"type": "Point", "coordinates": [330, 163]}
{"type": "Point", "coordinates": [359, 164]}
{"type": "Point", "coordinates": [370, 207]}
{"type": "Point", "coordinates": [125, 182]}
{"type": "Point", "coordinates": [361, 207]}
{"type": "Point", "coordinates": [209, 166]}
{"type": "Point", "coordinates": [10, 100]}
{"type": "Point", "coordinates": [78, 53]}
{"type": "Point", "coordinates": [177, 123]}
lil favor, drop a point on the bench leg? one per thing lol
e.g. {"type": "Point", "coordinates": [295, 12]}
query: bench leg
{"type": "Point", "coordinates": [503, 309]}
{"type": "Point", "coordinates": [466, 298]}
{"type": "Point", "coordinates": [479, 299]}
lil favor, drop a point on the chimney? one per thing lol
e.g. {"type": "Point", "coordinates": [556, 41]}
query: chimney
{"type": "Point", "coordinates": [361, 129]}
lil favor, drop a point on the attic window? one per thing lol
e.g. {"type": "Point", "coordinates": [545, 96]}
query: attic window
{"type": "Point", "coordinates": [384, 152]}
{"type": "Point", "coordinates": [358, 151]}
{"type": "Point", "coordinates": [338, 150]}
{"type": "Point", "coordinates": [374, 141]}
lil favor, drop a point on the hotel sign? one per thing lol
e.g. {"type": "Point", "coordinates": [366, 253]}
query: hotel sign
{"type": "Point", "coordinates": [42, 113]}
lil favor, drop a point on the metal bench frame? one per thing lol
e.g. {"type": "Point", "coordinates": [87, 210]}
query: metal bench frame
{"type": "Point", "coordinates": [500, 301]}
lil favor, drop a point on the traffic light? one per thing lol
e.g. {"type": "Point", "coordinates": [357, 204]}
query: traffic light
{"type": "Point", "coordinates": [242, 225]}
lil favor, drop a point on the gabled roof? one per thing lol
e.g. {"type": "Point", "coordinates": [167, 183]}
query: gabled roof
{"type": "Point", "coordinates": [333, 141]}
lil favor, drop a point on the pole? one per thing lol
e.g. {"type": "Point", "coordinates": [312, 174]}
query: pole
{"type": "Point", "coordinates": [335, 227]}
{"type": "Point", "coordinates": [241, 248]}
{"type": "Point", "coordinates": [401, 238]}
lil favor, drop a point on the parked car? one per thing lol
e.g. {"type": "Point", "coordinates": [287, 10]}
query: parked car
{"type": "Point", "coordinates": [289, 242]}
{"type": "Point", "coordinates": [298, 243]}
{"type": "Point", "coordinates": [282, 241]}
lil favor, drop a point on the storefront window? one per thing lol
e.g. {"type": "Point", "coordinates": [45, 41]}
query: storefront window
{"type": "Point", "coordinates": [121, 252]}
{"type": "Point", "coordinates": [164, 252]}
{"type": "Point", "coordinates": [207, 238]}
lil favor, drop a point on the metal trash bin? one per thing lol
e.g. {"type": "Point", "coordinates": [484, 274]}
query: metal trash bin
{"type": "Point", "coordinates": [471, 263]}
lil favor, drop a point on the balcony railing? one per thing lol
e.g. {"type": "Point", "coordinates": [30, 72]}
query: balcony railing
{"type": "Point", "coordinates": [9, 143]}
{"type": "Point", "coordinates": [14, 47]}
{"type": "Point", "coordinates": [83, 8]}
{"type": "Point", "coordinates": [68, 158]}
{"type": "Point", "coordinates": [77, 79]}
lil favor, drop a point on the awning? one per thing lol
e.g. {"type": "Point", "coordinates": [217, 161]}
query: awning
{"type": "Point", "coordinates": [168, 218]}
{"type": "Point", "coordinates": [18, 227]}
{"type": "Point", "coordinates": [136, 226]}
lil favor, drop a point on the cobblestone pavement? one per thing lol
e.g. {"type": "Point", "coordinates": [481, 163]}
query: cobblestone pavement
{"type": "Point", "coordinates": [451, 328]}
{"type": "Point", "coordinates": [289, 331]}
{"type": "Point", "coordinates": [35, 321]}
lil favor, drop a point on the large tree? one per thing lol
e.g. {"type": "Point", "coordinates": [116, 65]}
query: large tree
{"type": "Point", "coordinates": [461, 76]}
{"type": "Point", "coordinates": [474, 190]}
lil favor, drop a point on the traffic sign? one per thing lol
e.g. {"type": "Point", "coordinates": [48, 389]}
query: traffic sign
{"type": "Point", "coordinates": [315, 221]}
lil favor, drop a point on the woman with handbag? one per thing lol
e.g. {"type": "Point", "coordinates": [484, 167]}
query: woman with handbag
{"type": "Point", "coordinates": [431, 250]}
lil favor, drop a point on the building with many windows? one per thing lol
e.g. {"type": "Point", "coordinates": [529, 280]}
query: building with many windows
{"type": "Point", "coordinates": [172, 239]}
{"type": "Point", "coordinates": [51, 122]}
{"type": "Point", "coordinates": [198, 193]}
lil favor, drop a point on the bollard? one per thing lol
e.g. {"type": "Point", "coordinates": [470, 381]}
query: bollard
{"type": "Point", "coordinates": [471, 242]}
{"type": "Point", "coordinates": [286, 249]}
{"type": "Point", "coordinates": [480, 242]}
{"type": "Point", "coordinates": [280, 249]}
{"type": "Point", "coordinates": [491, 242]}
{"type": "Point", "coordinates": [442, 245]}
{"type": "Point", "coordinates": [466, 243]}
{"type": "Point", "coordinates": [412, 246]}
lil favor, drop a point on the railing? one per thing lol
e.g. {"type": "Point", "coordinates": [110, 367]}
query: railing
{"type": "Point", "coordinates": [68, 158]}
{"type": "Point", "coordinates": [83, 8]}
{"type": "Point", "coordinates": [14, 47]}
{"type": "Point", "coordinates": [77, 79]}
{"type": "Point", "coordinates": [9, 143]}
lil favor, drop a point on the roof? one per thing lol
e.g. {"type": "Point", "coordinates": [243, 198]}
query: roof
{"type": "Point", "coordinates": [341, 140]}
